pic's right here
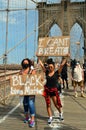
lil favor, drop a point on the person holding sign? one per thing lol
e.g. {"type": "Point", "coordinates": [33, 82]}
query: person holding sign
{"type": "Point", "coordinates": [50, 88]}
{"type": "Point", "coordinates": [29, 100]}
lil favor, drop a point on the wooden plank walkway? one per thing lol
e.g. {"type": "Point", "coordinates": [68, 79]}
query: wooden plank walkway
{"type": "Point", "coordinates": [74, 110]}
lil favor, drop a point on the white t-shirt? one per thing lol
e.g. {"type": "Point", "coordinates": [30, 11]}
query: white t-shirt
{"type": "Point", "coordinates": [77, 76]}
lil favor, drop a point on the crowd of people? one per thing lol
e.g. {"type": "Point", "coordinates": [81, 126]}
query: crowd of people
{"type": "Point", "coordinates": [56, 80]}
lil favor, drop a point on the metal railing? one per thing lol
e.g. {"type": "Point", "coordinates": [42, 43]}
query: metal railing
{"type": "Point", "coordinates": [5, 86]}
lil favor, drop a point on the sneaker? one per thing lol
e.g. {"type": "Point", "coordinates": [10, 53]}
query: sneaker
{"type": "Point", "coordinates": [61, 95]}
{"type": "Point", "coordinates": [82, 95]}
{"type": "Point", "coordinates": [60, 117]}
{"type": "Point", "coordinates": [76, 95]}
{"type": "Point", "coordinates": [26, 120]}
{"type": "Point", "coordinates": [31, 123]}
{"type": "Point", "coordinates": [49, 121]}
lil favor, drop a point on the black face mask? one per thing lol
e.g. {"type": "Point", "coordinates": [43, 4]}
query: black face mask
{"type": "Point", "coordinates": [25, 66]}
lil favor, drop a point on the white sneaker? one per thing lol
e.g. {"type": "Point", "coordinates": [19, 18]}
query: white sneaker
{"type": "Point", "coordinates": [76, 94]}
{"type": "Point", "coordinates": [82, 95]}
{"type": "Point", "coordinates": [49, 121]}
{"type": "Point", "coordinates": [60, 117]}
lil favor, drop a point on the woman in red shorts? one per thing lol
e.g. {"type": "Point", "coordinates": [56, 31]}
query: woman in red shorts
{"type": "Point", "coordinates": [50, 88]}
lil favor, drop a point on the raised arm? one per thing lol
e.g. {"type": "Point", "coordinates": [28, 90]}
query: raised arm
{"type": "Point", "coordinates": [61, 65]}
{"type": "Point", "coordinates": [68, 64]}
{"type": "Point", "coordinates": [41, 64]}
{"type": "Point", "coordinates": [64, 61]}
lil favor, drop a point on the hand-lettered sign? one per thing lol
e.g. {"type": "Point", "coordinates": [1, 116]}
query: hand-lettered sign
{"type": "Point", "coordinates": [53, 46]}
{"type": "Point", "coordinates": [27, 84]}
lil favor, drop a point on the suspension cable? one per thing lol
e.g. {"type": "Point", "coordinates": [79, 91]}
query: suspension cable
{"type": "Point", "coordinates": [47, 21]}
{"type": "Point", "coordinates": [26, 18]}
{"type": "Point", "coordinates": [34, 1]}
{"type": "Point", "coordinates": [35, 36]}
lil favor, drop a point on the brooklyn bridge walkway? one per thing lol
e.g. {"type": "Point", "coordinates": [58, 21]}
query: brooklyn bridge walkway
{"type": "Point", "coordinates": [74, 111]}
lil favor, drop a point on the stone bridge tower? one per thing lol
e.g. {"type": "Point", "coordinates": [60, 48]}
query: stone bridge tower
{"type": "Point", "coordinates": [64, 14]}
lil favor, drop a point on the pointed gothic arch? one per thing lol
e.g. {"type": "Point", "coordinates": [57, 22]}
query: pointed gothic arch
{"type": "Point", "coordinates": [76, 35]}
{"type": "Point", "coordinates": [55, 30]}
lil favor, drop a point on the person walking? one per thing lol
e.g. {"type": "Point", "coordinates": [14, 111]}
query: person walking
{"type": "Point", "coordinates": [64, 75]}
{"type": "Point", "coordinates": [78, 79]}
{"type": "Point", "coordinates": [50, 88]}
{"type": "Point", "coordinates": [29, 100]}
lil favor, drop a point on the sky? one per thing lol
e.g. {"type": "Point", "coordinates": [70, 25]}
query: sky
{"type": "Point", "coordinates": [16, 31]}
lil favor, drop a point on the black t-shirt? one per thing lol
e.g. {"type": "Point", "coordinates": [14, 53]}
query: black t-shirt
{"type": "Point", "coordinates": [51, 81]}
{"type": "Point", "coordinates": [64, 70]}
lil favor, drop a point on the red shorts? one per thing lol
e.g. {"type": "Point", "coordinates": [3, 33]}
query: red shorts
{"type": "Point", "coordinates": [49, 92]}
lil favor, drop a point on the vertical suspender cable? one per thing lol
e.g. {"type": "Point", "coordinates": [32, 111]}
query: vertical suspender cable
{"type": "Point", "coordinates": [81, 18]}
{"type": "Point", "coordinates": [85, 30]}
{"type": "Point", "coordinates": [68, 15]}
{"type": "Point", "coordinates": [36, 125]}
{"type": "Point", "coordinates": [6, 45]}
{"type": "Point", "coordinates": [62, 9]}
{"type": "Point", "coordinates": [35, 36]}
{"type": "Point", "coordinates": [26, 12]}
{"type": "Point", "coordinates": [43, 19]}
{"type": "Point", "coordinates": [68, 21]}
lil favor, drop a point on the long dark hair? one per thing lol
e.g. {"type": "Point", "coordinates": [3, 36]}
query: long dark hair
{"type": "Point", "coordinates": [29, 61]}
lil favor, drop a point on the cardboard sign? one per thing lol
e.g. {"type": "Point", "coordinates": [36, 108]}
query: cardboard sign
{"type": "Point", "coordinates": [53, 46]}
{"type": "Point", "coordinates": [27, 84]}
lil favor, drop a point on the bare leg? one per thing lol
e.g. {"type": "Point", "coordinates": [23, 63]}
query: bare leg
{"type": "Point", "coordinates": [48, 106]}
{"type": "Point", "coordinates": [58, 107]}
{"type": "Point", "coordinates": [49, 110]}
{"type": "Point", "coordinates": [55, 103]}
{"type": "Point", "coordinates": [26, 115]}
{"type": "Point", "coordinates": [82, 91]}
{"type": "Point", "coordinates": [32, 118]}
